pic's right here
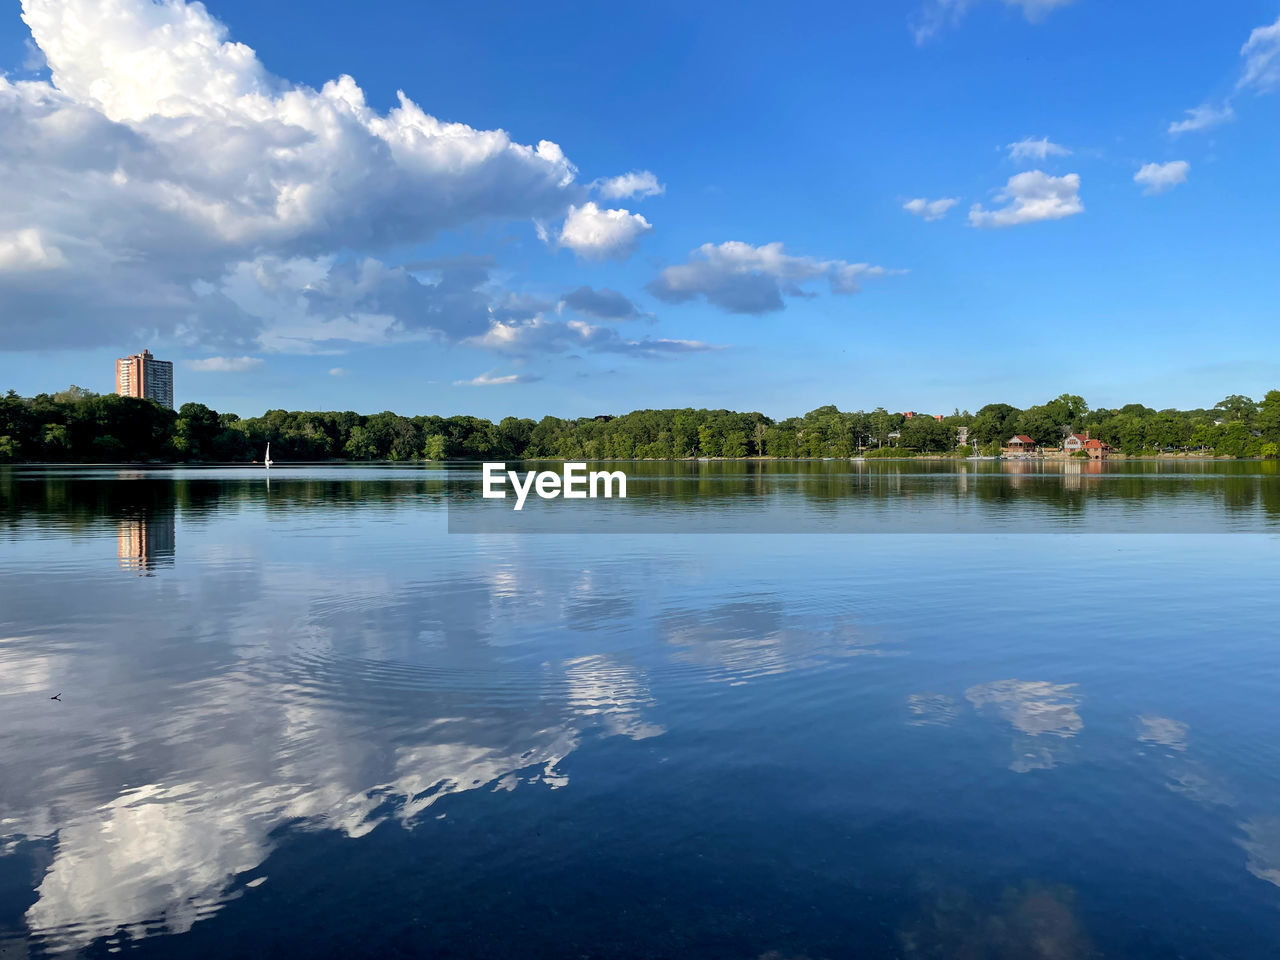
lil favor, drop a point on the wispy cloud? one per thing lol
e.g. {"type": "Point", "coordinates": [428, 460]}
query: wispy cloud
{"type": "Point", "coordinates": [543, 335]}
{"type": "Point", "coordinates": [226, 364]}
{"type": "Point", "coordinates": [1261, 54]}
{"type": "Point", "coordinates": [1259, 74]}
{"type": "Point", "coordinates": [930, 209]}
{"type": "Point", "coordinates": [1203, 117]}
{"type": "Point", "coordinates": [937, 15]}
{"type": "Point", "coordinates": [492, 380]}
{"type": "Point", "coordinates": [1040, 150]}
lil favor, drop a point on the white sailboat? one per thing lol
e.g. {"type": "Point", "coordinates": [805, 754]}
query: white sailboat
{"type": "Point", "coordinates": [267, 459]}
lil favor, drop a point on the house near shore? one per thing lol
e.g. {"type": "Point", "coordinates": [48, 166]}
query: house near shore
{"type": "Point", "coordinates": [1097, 449]}
{"type": "Point", "coordinates": [1077, 442]}
{"type": "Point", "coordinates": [1018, 445]}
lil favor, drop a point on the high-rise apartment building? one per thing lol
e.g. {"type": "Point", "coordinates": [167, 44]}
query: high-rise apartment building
{"type": "Point", "coordinates": [142, 375]}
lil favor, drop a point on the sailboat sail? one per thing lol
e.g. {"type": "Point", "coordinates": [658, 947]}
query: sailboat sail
{"type": "Point", "coordinates": [267, 458]}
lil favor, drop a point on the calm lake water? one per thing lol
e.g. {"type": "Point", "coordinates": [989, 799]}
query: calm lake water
{"type": "Point", "coordinates": [306, 719]}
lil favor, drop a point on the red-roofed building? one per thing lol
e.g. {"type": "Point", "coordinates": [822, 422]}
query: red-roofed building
{"type": "Point", "coordinates": [1096, 449]}
{"type": "Point", "coordinates": [1019, 444]}
{"type": "Point", "coordinates": [1075, 442]}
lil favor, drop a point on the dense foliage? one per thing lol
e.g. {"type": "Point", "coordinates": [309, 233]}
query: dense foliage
{"type": "Point", "coordinates": [79, 426]}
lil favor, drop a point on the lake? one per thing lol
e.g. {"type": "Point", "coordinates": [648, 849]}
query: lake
{"type": "Point", "coordinates": [1007, 710]}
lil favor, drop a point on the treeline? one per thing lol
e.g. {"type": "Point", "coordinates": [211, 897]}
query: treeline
{"type": "Point", "coordinates": [77, 425]}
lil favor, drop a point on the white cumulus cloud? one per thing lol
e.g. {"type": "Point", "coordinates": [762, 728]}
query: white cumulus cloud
{"type": "Point", "coordinates": [324, 305]}
{"type": "Point", "coordinates": [930, 209]}
{"type": "Point", "coordinates": [1030, 197]}
{"type": "Point", "coordinates": [161, 153]}
{"type": "Point", "coordinates": [226, 364]}
{"type": "Point", "coordinates": [27, 250]}
{"type": "Point", "coordinates": [637, 183]}
{"type": "Point", "coordinates": [600, 234]}
{"type": "Point", "coordinates": [1159, 177]}
{"type": "Point", "coordinates": [740, 278]}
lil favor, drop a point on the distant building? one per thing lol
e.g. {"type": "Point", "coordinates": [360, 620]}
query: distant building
{"type": "Point", "coordinates": [143, 376]}
{"type": "Point", "coordinates": [1020, 443]}
{"type": "Point", "coordinates": [962, 435]}
{"type": "Point", "coordinates": [1075, 442]}
{"type": "Point", "coordinates": [1096, 449]}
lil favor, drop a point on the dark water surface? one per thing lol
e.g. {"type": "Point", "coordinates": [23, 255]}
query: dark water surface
{"type": "Point", "coordinates": [305, 720]}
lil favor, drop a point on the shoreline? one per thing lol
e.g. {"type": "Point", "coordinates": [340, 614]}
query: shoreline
{"type": "Point", "coordinates": [930, 457]}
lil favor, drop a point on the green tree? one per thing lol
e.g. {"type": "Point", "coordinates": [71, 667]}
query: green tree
{"type": "Point", "coordinates": [434, 447]}
{"type": "Point", "coordinates": [1040, 424]}
{"type": "Point", "coordinates": [360, 445]}
{"type": "Point", "coordinates": [195, 431]}
{"type": "Point", "coordinates": [994, 423]}
{"type": "Point", "coordinates": [735, 444]}
{"type": "Point", "coordinates": [1268, 417]}
{"type": "Point", "coordinates": [1067, 412]}
{"type": "Point", "coordinates": [924, 434]}
{"type": "Point", "coordinates": [1235, 409]}
{"type": "Point", "coordinates": [880, 425]}
{"type": "Point", "coordinates": [684, 433]}
{"type": "Point", "coordinates": [1235, 439]}
{"type": "Point", "coordinates": [73, 394]}
{"type": "Point", "coordinates": [709, 441]}
{"type": "Point", "coordinates": [514, 435]}
{"type": "Point", "coordinates": [55, 441]}
{"type": "Point", "coordinates": [759, 433]}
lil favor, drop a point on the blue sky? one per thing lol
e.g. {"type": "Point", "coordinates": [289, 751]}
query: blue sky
{"type": "Point", "coordinates": [311, 250]}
